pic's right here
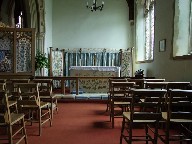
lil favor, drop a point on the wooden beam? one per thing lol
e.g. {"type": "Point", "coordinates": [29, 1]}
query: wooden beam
{"type": "Point", "coordinates": [1, 2]}
{"type": "Point", "coordinates": [131, 9]}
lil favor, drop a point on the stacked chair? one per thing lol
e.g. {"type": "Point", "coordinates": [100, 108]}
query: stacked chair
{"type": "Point", "coordinates": [163, 107]}
{"type": "Point", "coordinates": [119, 98]}
{"type": "Point", "coordinates": [46, 94]}
{"type": "Point", "coordinates": [29, 103]}
{"type": "Point", "coordinates": [145, 113]}
{"type": "Point", "coordinates": [110, 90]}
{"type": "Point", "coordinates": [12, 121]}
{"type": "Point", "coordinates": [179, 115]}
{"type": "Point", "coordinates": [25, 100]}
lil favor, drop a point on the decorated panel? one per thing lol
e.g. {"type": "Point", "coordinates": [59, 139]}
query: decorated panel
{"type": "Point", "coordinates": [17, 51]}
{"type": "Point", "coordinates": [6, 51]}
{"type": "Point", "coordinates": [23, 52]}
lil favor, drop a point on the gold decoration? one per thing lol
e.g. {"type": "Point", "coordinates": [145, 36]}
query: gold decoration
{"type": "Point", "coordinates": [3, 25]}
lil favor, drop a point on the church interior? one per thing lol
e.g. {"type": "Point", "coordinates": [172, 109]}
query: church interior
{"type": "Point", "coordinates": [130, 57]}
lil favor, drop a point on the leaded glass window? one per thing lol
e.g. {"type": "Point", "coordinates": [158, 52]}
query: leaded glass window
{"type": "Point", "coordinates": [149, 29]}
{"type": "Point", "coordinates": [182, 39]}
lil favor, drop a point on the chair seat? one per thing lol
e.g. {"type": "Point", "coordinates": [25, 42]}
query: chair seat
{"type": "Point", "coordinates": [42, 105]}
{"type": "Point", "coordinates": [16, 117]}
{"type": "Point", "coordinates": [13, 122]}
{"type": "Point", "coordinates": [164, 115]}
{"type": "Point", "coordinates": [11, 103]}
{"type": "Point", "coordinates": [121, 103]}
{"type": "Point", "coordinates": [53, 105]}
{"type": "Point", "coordinates": [127, 115]}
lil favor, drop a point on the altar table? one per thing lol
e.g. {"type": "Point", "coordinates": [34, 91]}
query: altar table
{"type": "Point", "coordinates": [93, 85]}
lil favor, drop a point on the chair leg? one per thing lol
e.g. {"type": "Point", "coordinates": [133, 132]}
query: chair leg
{"type": "Point", "coordinates": [130, 132]}
{"type": "Point", "coordinates": [146, 133]}
{"type": "Point", "coordinates": [107, 109]}
{"type": "Point", "coordinates": [50, 119]}
{"type": "Point", "coordinates": [156, 132]}
{"type": "Point", "coordinates": [167, 133]}
{"type": "Point", "coordinates": [24, 131]}
{"type": "Point", "coordinates": [57, 109]}
{"type": "Point", "coordinates": [52, 109]}
{"type": "Point", "coordinates": [122, 130]}
{"type": "Point", "coordinates": [10, 134]}
{"type": "Point", "coordinates": [112, 117]}
{"type": "Point", "coordinates": [40, 127]}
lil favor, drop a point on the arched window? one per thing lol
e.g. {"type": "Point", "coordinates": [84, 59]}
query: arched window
{"type": "Point", "coordinates": [20, 22]}
{"type": "Point", "coordinates": [144, 30]}
{"type": "Point", "coordinates": [20, 14]}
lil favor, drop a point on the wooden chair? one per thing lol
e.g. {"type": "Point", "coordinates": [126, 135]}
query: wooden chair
{"type": "Point", "coordinates": [178, 85]}
{"type": "Point", "coordinates": [46, 93]}
{"type": "Point", "coordinates": [119, 99]}
{"type": "Point", "coordinates": [2, 80]}
{"type": "Point", "coordinates": [110, 89]}
{"type": "Point", "coordinates": [179, 115]}
{"type": "Point", "coordinates": [145, 113]}
{"type": "Point", "coordinates": [139, 83]}
{"type": "Point", "coordinates": [154, 80]}
{"type": "Point", "coordinates": [14, 122]}
{"type": "Point", "coordinates": [29, 103]}
{"type": "Point", "coordinates": [154, 85]}
{"type": "Point", "coordinates": [2, 86]}
{"type": "Point", "coordinates": [12, 88]}
{"type": "Point", "coordinates": [12, 103]}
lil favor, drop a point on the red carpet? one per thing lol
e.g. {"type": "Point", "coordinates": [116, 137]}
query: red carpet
{"type": "Point", "coordinates": [78, 123]}
{"type": "Point", "coordinates": [82, 123]}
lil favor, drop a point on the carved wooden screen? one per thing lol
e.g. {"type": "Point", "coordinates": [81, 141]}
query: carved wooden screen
{"type": "Point", "coordinates": [17, 51]}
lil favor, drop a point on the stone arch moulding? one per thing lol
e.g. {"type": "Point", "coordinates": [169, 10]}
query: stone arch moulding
{"type": "Point", "coordinates": [37, 10]}
{"type": "Point", "coordinates": [36, 19]}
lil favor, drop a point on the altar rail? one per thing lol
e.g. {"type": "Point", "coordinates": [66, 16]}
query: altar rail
{"type": "Point", "coordinates": [63, 79]}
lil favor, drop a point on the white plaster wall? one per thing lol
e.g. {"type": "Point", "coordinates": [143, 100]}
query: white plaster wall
{"type": "Point", "coordinates": [163, 65]}
{"type": "Point", "coordinates": [48, 26]}
{"type": "Point", "coordinates": [75, 26]}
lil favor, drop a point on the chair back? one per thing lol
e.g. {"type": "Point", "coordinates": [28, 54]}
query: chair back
{"type": "Point", "coordinates": [45, 86]}
{"type": "Point", "coordinates": [121, 90]}
{"type": "Point", "coordinates": [28, 94]}
{"type": "Point", "coordinates": [178, 85]}
{"type": "Point", "coordinates": [121, 86]}
{"type": "Point", "coordinates": [148, 110]}
{"type": "Point", "coordinates": [179, 104]}
{"type": "Point", "coordinates": [154, 80]}
{"type": "Point", "coordinates": [5, 116]}
{"type": "Point", "coordinates": [11, 84]}
{"type": "Point", "coordinates": [139, 83]}
{"type": "Point", "coordinates": [115, 80]}
{"type": "Point", "coordinates": [156, 84]}
{"type": "Point", "coordinates": [3, 86]}
{"type": "Point", "coordinates": [3, 80]}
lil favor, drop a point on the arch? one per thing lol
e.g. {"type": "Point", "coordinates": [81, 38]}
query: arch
{"type": "Point", "coordinates": [35, 16]}
{"type": "Point", "coordinates": [37, 11]}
